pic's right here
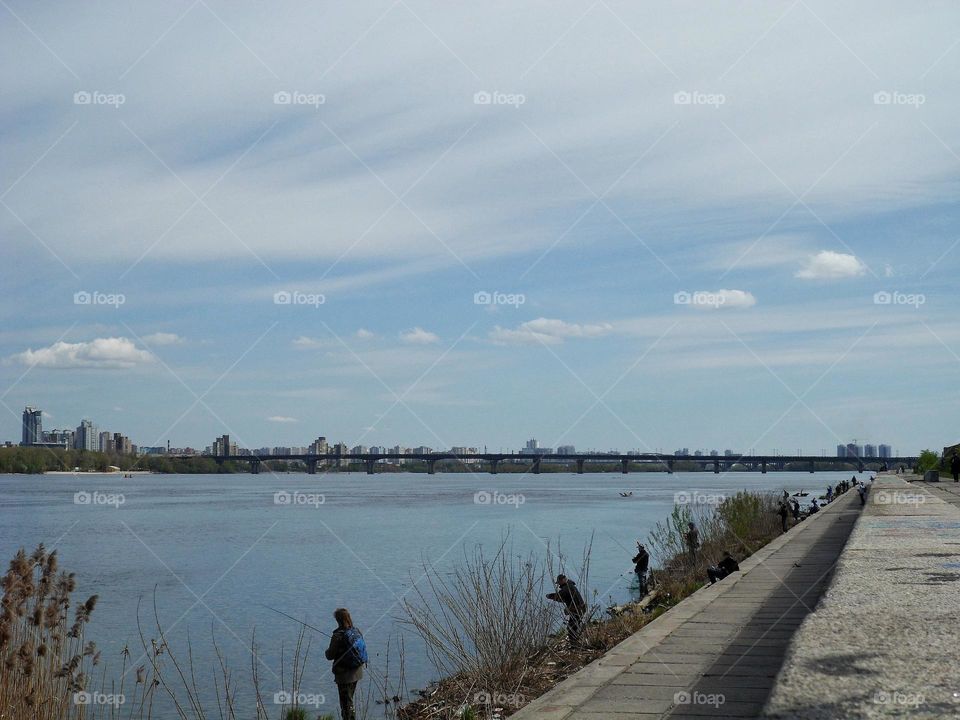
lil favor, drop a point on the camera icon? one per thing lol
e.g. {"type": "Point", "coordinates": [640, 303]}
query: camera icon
{"type": "Point", "coordinates": [482, 698]}
{"type": "Point", "coordinates": [482, 298]}
{"type": "Point", "coordinates": [682, 98]}
{"type": "Point", "coordinates": [882, 697]}
{"type": "Point", "coordinates": [681, 697]}
{"type": "Point", "coordinates": [682, 498]}
{"type": "Point", "coordinates": [282, 498]}
{"type": "Point", "coordinates": [282, 297]}
{"type": "Point", "coordinates": [82, 298]}
{"type": "Point", "coordinates": [282, 98]}
{"type": "Point", "coordinates": [882, 98]}
{"type": "Point", "coordinates": [82, 698]}
{"type": "Point", "coordinates": [882, 497]}
{"type": "Point", "coordinates": [82, 97]}
{"type": "Point", "coordinates": [282, 698]}
{"type": "Point", "coordinates": [482, 498]}
{"type": "Point", "coordinates": [482, 97]}
{"type": "Point", "coordinates": [882, 298]}
{"type": "Point", "coordinates": [682, 298]}
{"type": "Point", "coordinates": [82, 498]}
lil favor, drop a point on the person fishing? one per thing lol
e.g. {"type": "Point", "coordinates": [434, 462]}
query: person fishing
{"type": "Point", "coordinates": [784, 513]}
{"type": "Point", "coordinates": [574, 607]}
{"type": "Point", "coordinates": [348, 651]}
{"type": "Point", "coordinates": [641, 562]}
{"type": "Point", "coordinates": [723, 568]}
{"type": "Point", "coordinates": [795, 508]}
{"type": "Point", "coordinates": [692, 538]}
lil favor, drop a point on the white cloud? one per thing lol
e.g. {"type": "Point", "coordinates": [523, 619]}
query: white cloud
{"type": "Point", "coordinates": [281, 419]}
{"type": "Point", "coordinates": [162, 338]}
{"type": "Point", "coordinates": [108, 353]}
{"type": "Point", "coordinates": [308, 342]}
{"type": "Point", "coordinates": [363, 334]}
{"type": "Point", "coordinates": [418, 336]}
{"type": "Point", "coordinates": [829, 265]}
{"type": "Point", "coordinates": [548, 331]}
{"type": "Point", "coordinates": [721, 299]}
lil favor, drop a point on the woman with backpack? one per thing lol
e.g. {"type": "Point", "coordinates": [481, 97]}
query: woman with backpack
{"type": "Point", "coordinates": [349, 654]}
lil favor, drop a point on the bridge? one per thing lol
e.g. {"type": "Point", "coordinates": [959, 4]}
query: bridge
{"type": "Point", "coordinates": [666, 463]}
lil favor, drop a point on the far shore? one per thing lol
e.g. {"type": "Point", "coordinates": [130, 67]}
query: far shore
{"type": "Point", "coordinates": [98, 472]}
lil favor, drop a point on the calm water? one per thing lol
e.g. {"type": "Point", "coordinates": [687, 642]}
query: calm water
{"type": "Point", "coordinates": [214, 547]}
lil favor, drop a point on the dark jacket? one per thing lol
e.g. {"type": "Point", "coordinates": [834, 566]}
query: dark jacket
{"type": "Point", "coordinates": [729, 565]}
{"type": "Point", "coordinates": [641, 561]}
{"type": "Point", "coordinates": [570, 597]}
{"type": "Point", "coordinates": [337, 651]}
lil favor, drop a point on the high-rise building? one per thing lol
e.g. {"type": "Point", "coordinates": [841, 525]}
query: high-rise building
{"type": "Point", "coordinates": [106, 443]}
{"type": "Point", "coordinates": [566, 450]}
{"type": "Point", "coordinates": [886, 451]}
{"type": "Point", "coordinates": [841, 451]}
{"type": "Point", "coordinates": [222, 446]}
{"type": "Point", "coordinates": [32, 426]}
{"type": "Point", "coordinates": [122, 444]}
{"type": "Point", "coordinates": [319, 446]}
{"type": "Point", "coordinates": [869, 451]}
{"type": "Point", "coordinates": [86, 436]}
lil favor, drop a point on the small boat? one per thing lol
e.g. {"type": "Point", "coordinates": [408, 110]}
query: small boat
{"type": "Point", "coordinates": [800, 494]}
{"type": "Point", "coordinates": [627, 494]}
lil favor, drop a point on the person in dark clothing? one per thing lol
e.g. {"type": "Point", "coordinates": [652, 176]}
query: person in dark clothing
{"type": "Point", "coordinates": [346, 673]}
{"type": "Point", "coordinates": [955, 467]}
{"type": "Point", "coordinates": [574, 607]}
{"type": "Point", "coordinates": [641, 562]}
{"type": "Point", "coordinates": [783, 512]}
{"type": "Point", "coordinates": [692, 538]}
{"type": "Point", "coordinates": [863, 494]}
{"type": "Point", "coordinates": [795, 507]}
{"type": "Point", "coordinates": [723, 568]}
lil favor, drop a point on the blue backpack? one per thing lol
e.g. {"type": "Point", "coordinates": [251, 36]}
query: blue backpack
{"type": "Point", "coordinates": [357, 654]}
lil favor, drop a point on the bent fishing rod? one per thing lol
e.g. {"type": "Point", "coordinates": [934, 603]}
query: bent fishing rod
{"type": "Point", "coordinates": [296, 620]}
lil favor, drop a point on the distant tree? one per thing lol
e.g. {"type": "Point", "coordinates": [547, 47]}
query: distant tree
{"type": "Point", "coordinates": [929, 459]}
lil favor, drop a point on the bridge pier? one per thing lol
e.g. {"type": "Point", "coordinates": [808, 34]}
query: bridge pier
{"type": "Point", "coordinates": [370, 465]}
{"type": "Point", "coordinates": [536, 466]}
{"type": "Point", "coordinates": [716, 467]}
{"type": "Point", "coordinates": [763, 466]}
{"type": "Point", "coordinates": [430, 466]}
{"type": "Point", "coordinates": [860, 467]}
{"type": "Point", "coordinates": [312, 467]}
{"type": "Point", "coordinates": [625, 466]}
{"type": "Point", "coordinates": [812, 466]}
{"type": "Point", "coordinates": [493, 466]}
{"type": "Point", "coordinates": [670, 467]}
{"type": "Point", "coordinates": [255, 466]}
{"type": "Point", "coordinates": [580, 462]}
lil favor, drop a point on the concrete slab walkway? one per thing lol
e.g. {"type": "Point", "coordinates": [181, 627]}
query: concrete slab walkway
{"type": "Point", "coordinates": [717, 653]}
{"type": "Point", "coordinates": [884, 640]}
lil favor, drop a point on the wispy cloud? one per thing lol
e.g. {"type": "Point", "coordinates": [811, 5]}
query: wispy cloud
{"type": "Point", "coordinates": [830, 265]}
{"type": "Point", "coordinates": [546, 330]}
{"type": "Point", "coordinates": [281, 419]}
{"type": "Point", "coordinates": [418, 336]}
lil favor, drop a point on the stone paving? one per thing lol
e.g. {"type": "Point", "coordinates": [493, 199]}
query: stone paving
{"type": "Point", "coordinates": [717, 653]}
{"type": "Point", "coordinates": [884, 640]}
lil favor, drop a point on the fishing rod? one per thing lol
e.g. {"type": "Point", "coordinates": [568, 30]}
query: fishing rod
{"type": "Point", "coordinates": [296, 620]}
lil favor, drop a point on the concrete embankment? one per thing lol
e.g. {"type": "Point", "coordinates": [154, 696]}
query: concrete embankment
{"type": "Point", "coordinates": [718, 652]}
{"type": "Point", "coordinates": [884, 640]}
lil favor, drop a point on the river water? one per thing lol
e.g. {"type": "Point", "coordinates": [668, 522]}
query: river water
{"type": "Point", "coordinates": [213, 548]}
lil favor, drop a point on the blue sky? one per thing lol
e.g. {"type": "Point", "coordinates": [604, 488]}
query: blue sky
{"type": "Point", "coordinates": [775, 165]}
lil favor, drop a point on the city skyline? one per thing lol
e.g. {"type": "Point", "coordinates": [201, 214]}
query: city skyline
{"type": "Point", "coordinates": [87, 436]}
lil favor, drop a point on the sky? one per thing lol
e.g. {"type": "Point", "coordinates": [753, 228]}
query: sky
{"type": "Point", "coordinates": [607, 224]}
